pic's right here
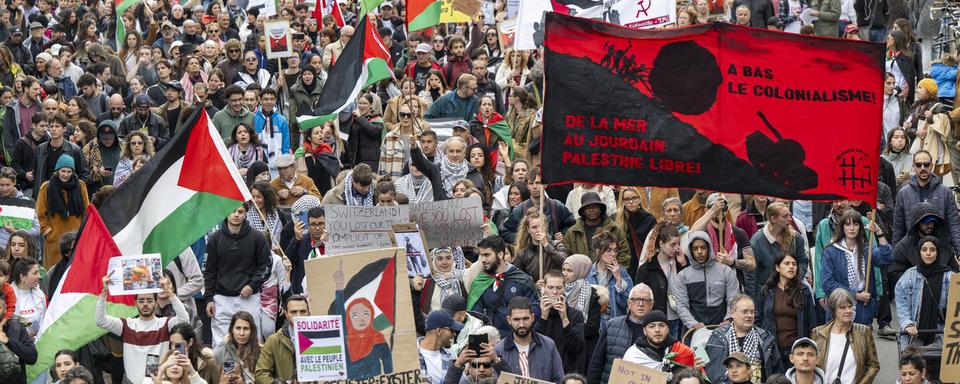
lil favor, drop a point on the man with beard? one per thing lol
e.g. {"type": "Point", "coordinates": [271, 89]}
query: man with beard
{"type": "Point", "coordinates": [434, 357]}
{"type": "Point", "coordinates": [653, 348]}
{"type": "Point", "coordinates": [925, 186]}
{"type": "Point", "coordinates": [499, 283]}
{"type": "Point", "coordinates": [530, 353]}
{"type": "Point", "coordinates": [141, 335]}
{"type": "Point", "coordinates": [115, 113]}
{"type": "Point", "coordinates": [472, 367]}
{"type": "Point", "coordinates": [743, 336]}
{"type": "Point", "coordinates": [276, 356]}
{"type": "Point", "coordinates": [144, 120]}
{"type": "Point", "coordinates": [560, 322]}
{"type": "Point", "coordinates": [486, 87]}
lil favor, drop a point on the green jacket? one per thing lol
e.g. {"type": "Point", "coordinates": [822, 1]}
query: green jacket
{"type": "Point", "coordinates": [276, 359]}
{"type": "Point", "coordinates": [225, 122]}
{"type": "Point", "coordinates": [301, 102]}
{"type": "Point", "coordinates": [577, 243]}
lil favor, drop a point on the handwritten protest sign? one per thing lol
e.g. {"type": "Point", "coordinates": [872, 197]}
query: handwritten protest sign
{"type": "Point", "coordinates": [450, 223]}
{"type": "Point", "coordinates": [509, 378]}
{"type": "Point", "coordinates": [320, 350]}
{"type": "Point", "coordinates": [630, 373]}
{"type": "Point", "coordinates": [452, 11]}
{"type": "Point", "coordinates": [950, 357]}
{"type": "Point", "coordinates": [354, 229]}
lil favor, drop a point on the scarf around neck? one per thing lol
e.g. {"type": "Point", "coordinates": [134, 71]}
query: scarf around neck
{"type": "Point", "coordinates": [417, 189]}
{"type": "Point", "coordinates": [351, 197]}
{"type": "Point", "coordinates": [57, 190]}
{"type": "Point", "coordinates": [751, 347]}
{"type": "Point", "coordinates": [451, 173]}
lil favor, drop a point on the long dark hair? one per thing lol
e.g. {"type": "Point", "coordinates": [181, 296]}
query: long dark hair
{"type": "Point", "coordinates": [793, 285]}
{"type": "Point", "coordinates": [186, 331]}
{"type": "Point", "coordinates": [250, 352]}
{"type": "Point", "coordinates": [486, 171]}
{"type": "Point", "coordinates": [269, 196]}
{"type": "Point", "coordinates": [21, 267]}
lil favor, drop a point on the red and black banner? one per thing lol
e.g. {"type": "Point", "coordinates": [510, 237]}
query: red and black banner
{"type": "Point", "coordinates": [713, 106]}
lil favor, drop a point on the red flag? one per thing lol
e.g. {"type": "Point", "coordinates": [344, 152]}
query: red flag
{"type": "Point", "coordinates": [91, 254]}
{"type": "Point", "coordinates": [712, 106]}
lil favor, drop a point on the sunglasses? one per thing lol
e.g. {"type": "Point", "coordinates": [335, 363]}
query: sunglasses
{"type": "Point", "coordinates": [478, 365]}
{"type": "Point", "coordinates": [249, 59]}
{"type": "Point", "coordinates": [233, 50]}
{"type": "Point", "coordinates": [491, 35]}
{"type": "Point", "coordinates": [406, 115]}
{"type": "Point", "coordinates": [922, 165]}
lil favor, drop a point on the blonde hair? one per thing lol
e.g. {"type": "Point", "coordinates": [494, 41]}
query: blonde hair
{"type": "Point", "coordinates": [523, 234]}
{"type": "Point", "coordinates": [622, 215]}
{"type": "Point", "coordinates": [786, 237]}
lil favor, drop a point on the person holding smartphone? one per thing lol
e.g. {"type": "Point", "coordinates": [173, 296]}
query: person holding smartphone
{"type": "Point", "coordinates": [561, 322]}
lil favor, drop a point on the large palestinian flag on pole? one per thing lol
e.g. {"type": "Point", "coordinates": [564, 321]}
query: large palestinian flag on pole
{"type": "Point", "coordinates": [189, 186]}
{"type": "Point", "coordinates": [70, 318]}
{"type": "Point", "coordinates": [364, 61]}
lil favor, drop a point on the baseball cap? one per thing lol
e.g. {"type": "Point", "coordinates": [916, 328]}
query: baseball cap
{"type": "Point", "coordinates": [738, 356]}
{"type": "Point", "coordinates": [15, 31]}
{"type": "Point", "coordinates": [460, 124]}
{"type": "Point", "coordinates": [423, 47]}
{"type": "Point", "coordinates": [804, 342]}
{"type": "Point", "coordinates": [454, 303]}
{"type": "Point", "coordinates": [167, 24]}
{"type": "Point", "coordinates": [386, 4]}
{"type": "Point", "coordinates": [142, 100]}
{"type": "Point", "coordinates": [441, 319]}
{"type": "Point", "coordinates": [850, 28]}
{"type": "Point", "coordinates": [928, 219]}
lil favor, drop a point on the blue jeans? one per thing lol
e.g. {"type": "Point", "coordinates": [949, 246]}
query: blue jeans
{"type": "Point", "coordinates": [676, 328]}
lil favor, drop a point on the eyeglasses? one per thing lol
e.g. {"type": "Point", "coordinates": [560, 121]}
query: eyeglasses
{"type": "Point", "coordinates": [136, 143]}
{"type": "Point", "coordinates": [406, 115]}
{"type": "Point", "coordinates": [476, 365]}
{"type": "Point", "coordinates": [632, 198]}
{"type": "Point", "coordinates": [233, 50]}
{"type": "Point", "coordinates": [922, 164]}
{"type": "Point", "coordinates": [317, 225]}
{"type": "Point", "coordinates": [491, 35]}
{"type": "Point", "coordinates": [640, 300]}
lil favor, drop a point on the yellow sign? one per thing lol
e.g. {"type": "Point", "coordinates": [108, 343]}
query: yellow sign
{"type": "Point", "coordinates": [451, 11]}
{"type": "Point", "coordinates": [950, 357]}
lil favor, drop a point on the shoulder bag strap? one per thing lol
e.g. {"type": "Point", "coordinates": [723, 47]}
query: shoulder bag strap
{"type": "Point", "coordinates": [843, 359]}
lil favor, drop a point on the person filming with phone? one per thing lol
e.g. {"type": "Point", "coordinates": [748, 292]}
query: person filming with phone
{"type": "Point", "coordinates": [560, 322]}
{"type": "Point", "coordinates": [478, 363]}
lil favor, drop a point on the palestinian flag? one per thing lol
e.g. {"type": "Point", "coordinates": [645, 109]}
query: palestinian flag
{"type": "Point", "coordinates": [364, 61]}
{"type": "Point", "coordinates": [17, 213]}
{"type": "Point", "coordinates": [121, 31]}
{"type": "Point", "coordinates": [184, 190]}
{"type": "Point", "coordinates": [422, 14]}
{"type": "Point", "coordinates": [189, 186]}
{"type": "Point", "coordinates": [69, 322]}
{"type": "Point", "coordinates": [367, 6]}
{"type": "Point", "coordinates": [498, 126]}
{"type": "Point", "coordinates": [375, 283]}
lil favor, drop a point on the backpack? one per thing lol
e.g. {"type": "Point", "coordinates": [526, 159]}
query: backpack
{"type": "Point", "coordinates": [9, 364]}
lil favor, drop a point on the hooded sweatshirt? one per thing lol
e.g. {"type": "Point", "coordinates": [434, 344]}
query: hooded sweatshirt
{"type": "Point", "coordinates": [906, 252]}
{"type": "Point", "coordinates": [235, 260]}
{"type": "Point", "coordinates": [818, 375]}
{"type": "Point", "coordinates": [702, 291]}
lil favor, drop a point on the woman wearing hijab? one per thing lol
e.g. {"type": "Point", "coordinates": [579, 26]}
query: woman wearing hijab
{"type": "Point", "coordinates": [582, 296]}
{"type": "Point", "coordinates": [367, 354]}
{"type": "Point", "coordinates": [921, 294]}
{"type": "Point", "coordinates": [446, 280]}
{"type": "Point", "coordinates": [60, 205]}
{"type": "Point", "coordinates": [304, 95]}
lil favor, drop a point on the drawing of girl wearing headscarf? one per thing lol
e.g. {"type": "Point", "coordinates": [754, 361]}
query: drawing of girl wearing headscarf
{"type": "Point", "coordinates": [368, 353]}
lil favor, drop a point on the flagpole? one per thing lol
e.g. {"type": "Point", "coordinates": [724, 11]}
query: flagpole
{"type": "Point", "coordinates": [544, 230]}
{"type": "Point", "coordinates": [871, 237]}
{"type": "Point", "coordinates": [267, 224]}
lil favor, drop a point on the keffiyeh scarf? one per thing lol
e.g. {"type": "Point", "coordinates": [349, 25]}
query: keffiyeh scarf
{"type": "Point", "coordinates": [272, 223]}
{"type": "Point", "coordinates": [578, 295]}
{"type": "Point", "coordinates": [751, 347]}
{"type": "Point", "coordinates": [451, 173]}
{"type": "Point", "coordinates": [417, 189]}
{"type": "Point", "coordinates": [351, 197]}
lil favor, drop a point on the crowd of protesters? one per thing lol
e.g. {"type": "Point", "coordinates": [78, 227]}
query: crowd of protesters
{"type": "Point", "coordinates": [779, 291]}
